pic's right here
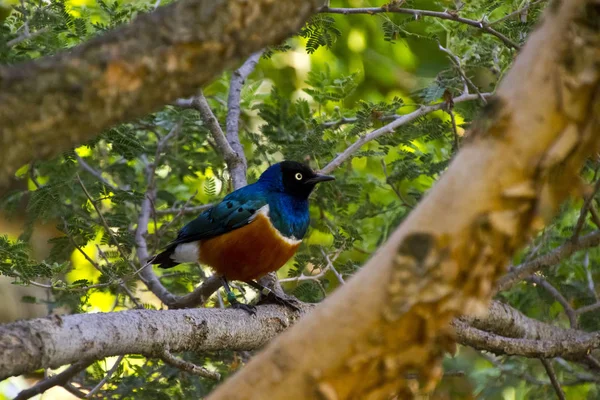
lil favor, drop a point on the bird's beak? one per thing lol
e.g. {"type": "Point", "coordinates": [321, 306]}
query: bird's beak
{"type": "Point", "coordinates": [319, 178]}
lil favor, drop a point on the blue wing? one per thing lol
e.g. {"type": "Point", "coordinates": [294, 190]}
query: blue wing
{"type": "Point", "coordinates": [235, 211]}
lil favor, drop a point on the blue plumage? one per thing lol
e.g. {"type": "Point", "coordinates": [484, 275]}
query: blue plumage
{"type": "Point", "coordinates": [283, 187]}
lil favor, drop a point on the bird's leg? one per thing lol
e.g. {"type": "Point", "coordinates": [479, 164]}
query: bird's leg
{"type": "Point", "coordinates": [234, 301]}
{"type": "Point", "coordinates": [269, 296]}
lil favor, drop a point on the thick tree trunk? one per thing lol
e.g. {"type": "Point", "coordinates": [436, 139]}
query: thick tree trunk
{"type": "Point", "coordinates": [520, 162]}
{"type": "Point", "coordinates": [51, 104]}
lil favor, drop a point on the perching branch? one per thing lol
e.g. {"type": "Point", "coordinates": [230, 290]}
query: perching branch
{"type": "Point", "coordinates": [132, 71]}
{"type": "Point", "coordinates": [208, 329]}
{"type": "Point", "coordinates": [54, 341]}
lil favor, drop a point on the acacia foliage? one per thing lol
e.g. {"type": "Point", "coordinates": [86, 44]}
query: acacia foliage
{"type": "Point", "coordinates": [309, 99]}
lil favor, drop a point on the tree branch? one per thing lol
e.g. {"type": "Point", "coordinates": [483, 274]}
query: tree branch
{"type": "Point", "coordinates": [553, 379]}
{"type": "Point", "coordinates": [422, 13]}
{"type": "Point", "coordinates": [84, 165]}
{"type": "Point", "coordinates": [183, 365]}
{"type": "Point", "coordinates": [552, 258]}
{"type": "Point", "coordinates": [110, 373]}
{"type": "Point", "coordinates": [54, 341]}
{"type": "Point", "coordinates": [558, 297]}
{"type": "Point", "coordinates": [587, 203]}
{"type": "Point", "coordinates": [132, 71]}
{"type": "Point", "coordinates": [238, 78]}
{"type": "Point", "coordinates": [56, 380]}
{"type": "Point", "coordinates": [504, 320]}
{"type": "Point", "coordinates": [146, 273]}
{"type": "Point", "coordinates": [576, 348]}
{"type": "Point", "coordinates": [184, 210]}
{"type": "Point", "coordinates": [390, 128]}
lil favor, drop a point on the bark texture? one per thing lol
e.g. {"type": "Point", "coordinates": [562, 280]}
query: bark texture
{"type": "Point", "coordinates": [54, 341]}
{"type": "Point", "coordinates": [50, 342]}
{"type": "Point", "coordinates": [54, 103]}
{"type": "Point", "coordinates": [520, 162]}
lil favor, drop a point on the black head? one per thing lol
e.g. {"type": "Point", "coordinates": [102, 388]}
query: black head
{"type": "Point", "coordinates": [299, 180]}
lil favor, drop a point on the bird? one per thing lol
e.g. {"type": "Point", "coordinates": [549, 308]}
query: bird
{"type": "Point", "coordinates": [253, 231]}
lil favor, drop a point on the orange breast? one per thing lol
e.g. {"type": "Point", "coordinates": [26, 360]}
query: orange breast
{"type": "Point", "coordinates": [249, 252]}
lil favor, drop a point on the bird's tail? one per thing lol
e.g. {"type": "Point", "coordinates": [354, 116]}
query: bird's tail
{"type": "Point", "coordinates": [164, 259]}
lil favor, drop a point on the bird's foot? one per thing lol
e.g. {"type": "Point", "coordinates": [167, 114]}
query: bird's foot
{"type": "Point", "coordinates": [272, 298]}
{"type": "Point", "coordinates": [250, 309]}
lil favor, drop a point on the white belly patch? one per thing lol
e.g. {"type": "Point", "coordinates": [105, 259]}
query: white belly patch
{"type": "Point", "coordinates": [186, 253]}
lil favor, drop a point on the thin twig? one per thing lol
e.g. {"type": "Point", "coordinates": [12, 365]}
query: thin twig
{"type": "Point", "coordinates": [147, 274]}
{"type": "Point", "coordinates": [199, 295]}
{"type": "Point", "coordinates": [584, 211]}
{"type": "Point", "coordinates": [322, 272]}
{"type": "Point", "coordinates": [183, 210]}
{"type": "Point", "coordinates": [165, 227]}
{"type": "Point", "coordinates": [466, 81]}
{"type": "Point", "coordinates": [588, 275]}
{"type": "Point", "coordinates": [571, 314]}
{"type": "Point", "coordinates": [390, 128]}
{"type": "Point", "coordinates": [332, 268]}
{"type": "Point", "coordinates": [526, 269]}
{"type": "Point", "coordinates": [187, 366]}
{"type": "Point", "coordinates": [102, 219]}
{"type": "Point", "coordinates": [588, 308]}
{"type": "Point", "coordinates": [97, 388]}
{"type": "Point", "coordinates": [394, 188]}
{"type": "Point", "coordinates": [514, 13]}
{"type": "Point", "coordinates": [422, 13]}
{"type": "Point", "coordinates": [55, 380]}
{"type": "Point", "coordinates": [26, 36]}
{"type": "Point", "coordinates": [74, 390]}
{"type": "Point", "coordinates": [522, 375]}
{"type": "Point", "coordinates": [454, 129]}
{"type": "Point", "coordinates": [552, 375]}
{"type": "Point", "coordinates": [83, 164]}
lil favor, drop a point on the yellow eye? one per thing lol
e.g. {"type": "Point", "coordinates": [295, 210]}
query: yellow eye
{"type": "Point", "coordinates": [298, 176]}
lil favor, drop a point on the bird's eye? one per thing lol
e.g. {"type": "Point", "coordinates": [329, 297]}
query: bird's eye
{"type": "Point", "coordinates": [298, 176]}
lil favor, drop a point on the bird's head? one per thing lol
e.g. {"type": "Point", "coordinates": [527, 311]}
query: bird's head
{"type": "Point", "coordinates": [293, 178]}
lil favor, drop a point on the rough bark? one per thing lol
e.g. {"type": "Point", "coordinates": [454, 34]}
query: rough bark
{"type": "Point", "coordinates": [54, 341]}
{"type": "Point", "coordinates": [520, 162]}
{"type": "Point", "coordinates": [50, 342]}
{"type": "Point", "coordinates": [575, 347]}
{"type": "Point", "coordinates": [503, 320]}
{"type": "Point", "coordinates": [51, 104]}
